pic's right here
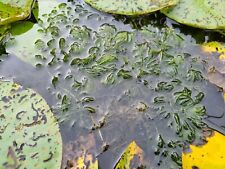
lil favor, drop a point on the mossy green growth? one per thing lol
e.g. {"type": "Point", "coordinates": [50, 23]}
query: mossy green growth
{"type": "Point", "coordinates": [97, 66]}
{"type": "Point", "coordinates": [18, 47]}
{"type": "Point", "coordinates": [204, 14]}
{"type": "Point", "coordinates": [14, 10]}
{"type": "Point", "coordinates": [130, 7]}
{"type": "Point", "coordinates": [29, 133]}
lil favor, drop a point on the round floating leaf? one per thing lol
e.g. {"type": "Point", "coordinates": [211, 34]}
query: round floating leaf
{"type": "Point", "coordinates": [14, 10]}
{"type": "Point", "coordinates": [206, 14]}
{"type": "Point", "coordinates": [130, 7]}
{"type": "Point", "coordinates": [208, 156]}
{"type": "Point", "coordinates": [29, 133]}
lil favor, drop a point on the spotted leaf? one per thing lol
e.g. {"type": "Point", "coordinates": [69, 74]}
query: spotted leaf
{"type": "Point", "coordinates": [29, 133]}
{"type": "Point", "coordinates": [207, 156]}
{"type": "Point", "coordinates": [204, 14]}
{"type": "Point", "coordinates": [130, 7]}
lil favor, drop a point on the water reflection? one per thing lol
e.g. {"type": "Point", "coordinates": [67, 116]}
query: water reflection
{"type": "Point", "coordinates": [117, 119]}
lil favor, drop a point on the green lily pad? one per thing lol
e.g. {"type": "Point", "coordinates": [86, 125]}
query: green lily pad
{"type": "Point", "coordinates": [29, 133]}
{"type": "Point", "coordinates": [14, 10]}
{"type": "Point", "coordinates": [204, 14]}
{"type": "Point", "coordinates": [20, 27]}
{"type": "Point", "coordinates": [130, 7]}
{"type": "Point", "coordinates": [17, 46]}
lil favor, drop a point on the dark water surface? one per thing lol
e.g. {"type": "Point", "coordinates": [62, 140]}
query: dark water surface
{"type": "Point", "coordinates": [116, 105]}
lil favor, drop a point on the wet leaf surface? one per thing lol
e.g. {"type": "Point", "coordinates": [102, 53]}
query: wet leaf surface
{"type": "Point", "coordinates": [215, 55]}
{"type": "Point", "coordinates": [29, 133]}
{"type": "Point", "coordinates": [133, 152]}
{"type": "Point", "coordinates": [22, 50]}
{"type": "Point", "coordinates": [204, 14]}
{"type": "Point", "coordinates": [117, 83]}
{"type": "Point", "coordinates": [217, 78]}
{"type": "Point", "coordinates": [129, 7]}
{"type": "Point", "coordinates": [207, 156]}
{"type": "Point", "coordinates": [13, 10]}
{"type": "Point", "coordinates": [81, 153]}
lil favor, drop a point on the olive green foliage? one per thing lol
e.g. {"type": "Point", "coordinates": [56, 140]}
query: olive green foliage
{"type": "Point", "coordinates": [206, 14]}
{"type": "Point", "coordinates": [29, 132]}
{"type": "Point", "coordinates": [14, 10]}
{"type": "Point", "coordinates": [19, 28]}
{"type": "Point", "coordinates": [151, 65]}
{"type": "Point", "coordinates": [130, 7]}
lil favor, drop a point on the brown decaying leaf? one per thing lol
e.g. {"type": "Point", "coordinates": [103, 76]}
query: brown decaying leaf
{"type": "Point", "coordinates": [81, 153]}
{"type": "Point", "coordinates": [217, 79]}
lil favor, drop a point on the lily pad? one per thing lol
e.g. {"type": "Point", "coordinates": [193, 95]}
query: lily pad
{"type": "Point", "coordinates": [215, 55]}
{"type": "Point", "coordinates": [215, 47]}
{"type": "Point", "coordinates": [128, 158]}
{"type": "Point", "coordinates": [81, 153]}
{"type": "Point", "coordinates": [29, 132]}
{"type": "Point", "coordinates": [14, 10]}
{"type": "Point", "coordinates": [204, 14]}
{"type": "Point", "coordinates": [207, 156]}
{"type": "Point", "coordinates": [130, 7]}
{"type": "Point", "coordinates": [217, 79]}
{"type": "Point", "coordinates": [17, 46]}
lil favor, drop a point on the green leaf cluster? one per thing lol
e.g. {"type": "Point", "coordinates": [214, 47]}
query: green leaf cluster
{"type": "Point", "coordinates": [205, 14]}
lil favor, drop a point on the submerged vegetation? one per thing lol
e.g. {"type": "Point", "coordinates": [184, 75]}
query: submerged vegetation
{"type": "Point", "coordinates": [111, 83]}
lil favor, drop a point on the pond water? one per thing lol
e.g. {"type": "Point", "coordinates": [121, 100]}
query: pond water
{"type": "Point", "coordinates": [113, 79]}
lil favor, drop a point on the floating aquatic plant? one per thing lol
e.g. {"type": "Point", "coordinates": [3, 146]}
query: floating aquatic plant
{"type": "Point", "coordinates": [101, 70]}
{"type": "Point", "coordinates": [204, 14]}
{"type": "Point", "coordinates": [129, 7]}
{"type": "Point", "coordinates": [29, 133]}
{"type": "Point", "coordinates": [13, 10]}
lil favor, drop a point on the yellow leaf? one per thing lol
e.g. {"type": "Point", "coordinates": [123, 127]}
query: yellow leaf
{"type": "Point", "coordinates": [132, 151]}
{"type": "Point", "coordinates": [215, 47]}
{"type": "Point", "coordinates": [93, 164]}
{"type": "Point", "coordinates": [86, 162]}
{"type": "Point", "coordinates": [80, 163]}
{"type": "Point", "coordinates": [208, 156]}
{"type": "Point", "coordinates": [80, 154]}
